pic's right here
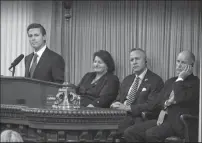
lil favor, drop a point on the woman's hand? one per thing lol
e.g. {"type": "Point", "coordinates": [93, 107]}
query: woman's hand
{"type": "Point", "coordinates": [90, 105]}
{"type": "Point", "coordinates": [115, 105]}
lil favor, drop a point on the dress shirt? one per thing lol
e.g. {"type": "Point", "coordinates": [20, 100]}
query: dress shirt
{"type": "Point", "coordinates": [165, 104]}
{"type": "Point", "coordinates": [39, 53]}
{"type": "Point", "coordinates": [141, 76]}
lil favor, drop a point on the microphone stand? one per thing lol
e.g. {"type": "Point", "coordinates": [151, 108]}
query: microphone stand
{"type": "Point", "coordinates": [13, 72]}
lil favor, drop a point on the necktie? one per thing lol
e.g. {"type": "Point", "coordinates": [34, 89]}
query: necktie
{"type": "Point", "coordinates": [133, 91]}
{"type": "Point", "coordinates": [161, 117]}
{"type": "Point", "coordinates": [164, 112]}
{"type": "Point", "coordinates": [34, 63]}
{"type": "Point", "coordinates": [171, 95]}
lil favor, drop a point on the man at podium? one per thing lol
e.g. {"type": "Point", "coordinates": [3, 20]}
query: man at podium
{"type": "Point", "coordinates": [43, 64]}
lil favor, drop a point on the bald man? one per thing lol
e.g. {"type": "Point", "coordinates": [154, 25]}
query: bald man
{"type": "Point", "coordinates": [180, 96]}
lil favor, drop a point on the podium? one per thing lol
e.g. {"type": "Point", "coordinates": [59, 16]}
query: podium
{"type": "Point", "coordinates": [29, 92]}
{"type": "Point", "coordinates": [26, 108]}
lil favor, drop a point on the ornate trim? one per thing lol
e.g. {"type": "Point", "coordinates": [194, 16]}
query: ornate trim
{"type": "Point", "coordinates": [82, 115]}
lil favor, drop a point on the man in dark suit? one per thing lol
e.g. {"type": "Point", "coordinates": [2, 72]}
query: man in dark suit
{"type": "Point", "coordinates": [43, 64]}
{"type": "Point", "coordinates": [180, 95]}
{"type": "Point", "coordinates": [137, 90]}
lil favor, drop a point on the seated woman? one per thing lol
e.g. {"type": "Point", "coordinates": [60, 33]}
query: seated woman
{"type": "Point", "coordinates": [10, 136]}
{"type": "Point", "coordinates": [99, 88]}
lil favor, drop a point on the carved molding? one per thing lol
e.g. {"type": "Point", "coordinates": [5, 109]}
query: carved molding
{"type": "Point", "coordinates": [82, 115]}
{"type": "Point", "coordinates": [42, 125]}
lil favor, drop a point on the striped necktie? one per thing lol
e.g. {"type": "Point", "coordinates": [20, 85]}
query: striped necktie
{"type": "Point", "coordinates": [34, 64]}
{"type": "Point", "coordinates": [133, 91]}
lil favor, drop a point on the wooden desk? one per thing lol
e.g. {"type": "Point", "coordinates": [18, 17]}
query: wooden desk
{"type": "Point", "coordinates": [52, 125]}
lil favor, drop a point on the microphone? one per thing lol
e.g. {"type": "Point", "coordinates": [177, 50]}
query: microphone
{"type": "Point", "coordinates": [16, 61]}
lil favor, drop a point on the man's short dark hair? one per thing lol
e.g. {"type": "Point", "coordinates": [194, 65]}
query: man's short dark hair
{"type": "Point", "coordinates": [107, 59]}
{"type": "Point", "coordinates": [36, 25]}
{"type": "Point", "coordinates": [138, 49]}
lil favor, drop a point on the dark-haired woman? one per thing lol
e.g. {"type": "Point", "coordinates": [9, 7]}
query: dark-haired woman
{"type": "Point", "coordinates": [99, 88]}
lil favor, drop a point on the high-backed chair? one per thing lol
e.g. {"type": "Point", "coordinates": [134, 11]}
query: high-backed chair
{"type": "Point", "coordinates": [190, 127]}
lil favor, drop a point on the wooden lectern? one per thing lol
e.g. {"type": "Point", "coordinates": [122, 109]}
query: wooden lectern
{"type": "Point", "coordinates": [26, 108]}
{"type": "Point", "coordinates": [29, 92]}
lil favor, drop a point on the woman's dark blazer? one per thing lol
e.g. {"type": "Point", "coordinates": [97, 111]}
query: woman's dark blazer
{"type": "Point", "coordinates": [101, 93]}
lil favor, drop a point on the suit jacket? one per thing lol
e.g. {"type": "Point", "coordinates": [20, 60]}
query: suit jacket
{"type": "Point", "coordinates": [100, 94]}
{"type": "Point", "coordinates": [186, 95]}
{"type": "Point", "coordinates": [152, 84]}
{"type": "Point", "coordinates": [50, 67]}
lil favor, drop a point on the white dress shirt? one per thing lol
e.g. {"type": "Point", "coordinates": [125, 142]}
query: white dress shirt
{"type": "Point", "coordinates": [141, 76]}
{"type": "Point", "coordinates": [39, 53]}
{"type": "Point", "coordinates": [178, 79]}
